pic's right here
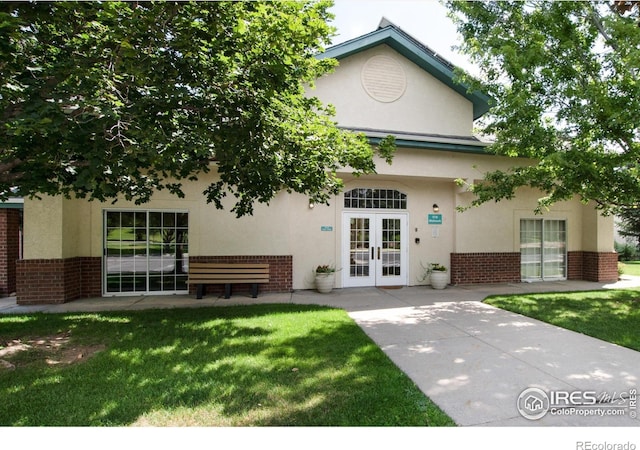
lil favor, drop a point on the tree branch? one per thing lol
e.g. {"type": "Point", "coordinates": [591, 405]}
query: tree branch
{"type": "Point", "coordinates": [597, 21]}
{"type": "Point", "coordinates": [6, 176]}
{"type": "Point", "coordinates": [5, 167]}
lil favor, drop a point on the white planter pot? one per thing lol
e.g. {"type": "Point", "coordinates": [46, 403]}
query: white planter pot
{"type": "Point", "coordinates": [438, 279]}
{"type": "Point", "coordinates": [324, 282]}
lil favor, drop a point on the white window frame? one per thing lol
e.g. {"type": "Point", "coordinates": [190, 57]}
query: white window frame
{"type": "Point", "coordinates": [105, 291]}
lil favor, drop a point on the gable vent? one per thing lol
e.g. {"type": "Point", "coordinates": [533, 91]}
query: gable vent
{"type": "Point", "coordinates": [384, 79]}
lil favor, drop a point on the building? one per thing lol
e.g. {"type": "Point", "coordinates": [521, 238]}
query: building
{"type": "Point", "coordinates": [380, 232]}
{"type": "Point", "coordinates": [10, 244]}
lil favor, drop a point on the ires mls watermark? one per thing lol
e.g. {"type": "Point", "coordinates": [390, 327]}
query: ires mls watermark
{"type": "Point", "coordinates": [534, 403]}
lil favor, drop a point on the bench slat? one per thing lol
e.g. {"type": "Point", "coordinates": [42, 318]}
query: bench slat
{"type": "Point", "coordinates": [221, 281]}
{"type": "Point", "coordinates": [229, 271]}
{"type": "Point", "coordinates": [231, 275]}
{"type": "Point", "coordinates": [228, 266]}
{"type": "Point", "coordinates": [239, 278]}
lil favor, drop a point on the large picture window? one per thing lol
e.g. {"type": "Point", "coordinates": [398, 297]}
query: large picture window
{"type": "Point", "coordinates": [543, 249]}
{"type": "Point", "coordinates": [146, 251]}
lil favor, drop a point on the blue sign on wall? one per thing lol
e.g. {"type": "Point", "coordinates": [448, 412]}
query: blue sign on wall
{"type": "Point", "coordinates": [434, 219]}
{"type": "Point", "coordinates": [326, 228]}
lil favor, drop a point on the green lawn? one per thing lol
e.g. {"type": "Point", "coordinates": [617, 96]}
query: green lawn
{"type": "Point", "coordinates": [631, 268]}
{"type": "Point", "coordinates": [610, 315]}
{"type": "Point", "coordinates": [262, 365]}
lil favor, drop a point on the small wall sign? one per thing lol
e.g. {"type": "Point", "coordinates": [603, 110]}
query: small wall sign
{"type": "Point", "coordinates": [326, 228]}
{"type": "Point", "coordinates": [434, 219]}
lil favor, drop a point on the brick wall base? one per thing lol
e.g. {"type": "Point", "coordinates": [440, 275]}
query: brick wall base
{"type": "Point", "coordinates": [52, 281]}
{"type": "Point", "coordinates": [280, 273]}
{"type": "Point", "coordinates": [593, 266]}
{"type": "Point", "coordinates": [477, 268]}
{"type": "Point", "coordinates": [9, 249]}
{"type": "Point", "coordinates": [47, 281]}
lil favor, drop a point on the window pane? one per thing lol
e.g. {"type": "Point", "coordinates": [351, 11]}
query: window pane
{"type": "Point", "coordinates": [127, 219]}
{"type": "Point", "coordinates": [155, 219]}
{"type": "Point", "coordinates": [182, 220]}
{"type": "Point", "coordinates": [391, 247]}
{"type": "Point", "coordinates": [530, 249]}
{"type": "Point", "coordinates": [359, 248]}
{"type": "Point", "coordinates": [169, 220]}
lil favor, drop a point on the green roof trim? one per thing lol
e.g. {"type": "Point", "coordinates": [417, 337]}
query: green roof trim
{"type": "Point", "coordinates": [431, 145]}
{"type": "Point", "coordinates": [11, 205]}
{"type": "Point", "coordinates": [417, 53]}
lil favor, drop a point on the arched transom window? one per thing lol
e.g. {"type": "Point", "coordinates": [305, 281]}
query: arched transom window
{"type": "Point", "coordinates": [364, 198]}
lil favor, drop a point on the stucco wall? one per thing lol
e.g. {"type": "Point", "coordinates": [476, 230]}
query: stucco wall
{"type": "Point", "coordinates": [427, 105]}
{"type": "Point", "coordinates": [487, 226]}
{"type": "Point", "coordinates": [43, 230]}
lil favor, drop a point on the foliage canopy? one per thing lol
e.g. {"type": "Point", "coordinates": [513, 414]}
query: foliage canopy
{"type": "Point", "coordinates": [564, 76]}
{"type": "Point", "coordinates": [108, 99]}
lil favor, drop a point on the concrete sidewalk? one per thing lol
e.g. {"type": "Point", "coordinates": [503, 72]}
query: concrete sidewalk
{"type": "Point", "coordinates": [471, 359]}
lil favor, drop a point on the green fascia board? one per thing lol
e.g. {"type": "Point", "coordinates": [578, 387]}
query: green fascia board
{"type": "Point", "coordinates": [410, 49]}
{"type": "Point", "coordinates": [11, 206]}
{"type": "Point", "coordinates": [444, 146]}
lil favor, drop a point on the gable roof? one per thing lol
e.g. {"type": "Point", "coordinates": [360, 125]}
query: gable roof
{"type": "Point", "coordinates": [418, 53]}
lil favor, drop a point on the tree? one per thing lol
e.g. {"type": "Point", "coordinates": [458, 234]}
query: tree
{"type": "Point", "coordinates": [564, 79]}
{"type": "Point", "coordinates": [102, 99]}
{"type": "Point", "coordinates": [629, 224]}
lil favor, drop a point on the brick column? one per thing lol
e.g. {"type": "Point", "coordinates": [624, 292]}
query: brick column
{"type": "Point", "coordinates": [9, 249]}
{"type": "Point", "coordinates": [600, 266]}
{"type": "Point", "coordinates": [47, 281]}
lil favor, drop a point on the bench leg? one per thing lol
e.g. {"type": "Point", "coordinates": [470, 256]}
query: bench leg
{"type": "Point", "coordinates": [199, 291]}
{"type": "Point", "coordinates": [227, 290]}
{"type": "Point", "coordinates": [254, 290]}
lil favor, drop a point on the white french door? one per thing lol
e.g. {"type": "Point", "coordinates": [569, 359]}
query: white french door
{"type": "Point", "coordinates": [374, 249]}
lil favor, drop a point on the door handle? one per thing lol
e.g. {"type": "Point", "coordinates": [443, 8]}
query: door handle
{"type": "Point", "coordinates": [373, 253]}
{"type": "Point", "coordinates": [378, 253]}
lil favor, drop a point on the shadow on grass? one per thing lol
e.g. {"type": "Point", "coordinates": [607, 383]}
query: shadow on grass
{"type": "Point", "coordinates": [240, 366]}
{"type": "Point", "coordinates": [611, 315]}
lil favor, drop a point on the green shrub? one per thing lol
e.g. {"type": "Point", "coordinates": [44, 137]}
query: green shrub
{"type": "Point", "coordinates": [626, 252]}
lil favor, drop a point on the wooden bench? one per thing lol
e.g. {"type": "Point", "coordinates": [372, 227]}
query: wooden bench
{"type": "Point", "coordinates": [201, 274]}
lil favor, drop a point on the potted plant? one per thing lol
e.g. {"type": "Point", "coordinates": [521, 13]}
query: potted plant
{"type": "Point", "coordinates": [325, 277]}
{"type": "Point", "coordinates": [437, 274]}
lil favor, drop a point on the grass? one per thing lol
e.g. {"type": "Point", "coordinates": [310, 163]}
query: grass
{"type": "Point", "coordinates": [260, 365]}
{"type": "Point", "coordinates": [631, 268]}
{"type": "Point", "coordinates": [610, 315]}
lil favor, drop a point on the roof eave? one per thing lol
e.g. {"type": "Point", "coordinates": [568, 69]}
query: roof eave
{"type": "Point", "coordinates": [432, 145]}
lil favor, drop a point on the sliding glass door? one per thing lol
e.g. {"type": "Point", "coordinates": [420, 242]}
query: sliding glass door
{"type": "Point", "coordinates": [543, 249]}
{"type": "Point", "coordinates": [145, 252]}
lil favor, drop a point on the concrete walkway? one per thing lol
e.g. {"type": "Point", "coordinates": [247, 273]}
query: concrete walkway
{"type": "Point", "coordinates": [471, 359]}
